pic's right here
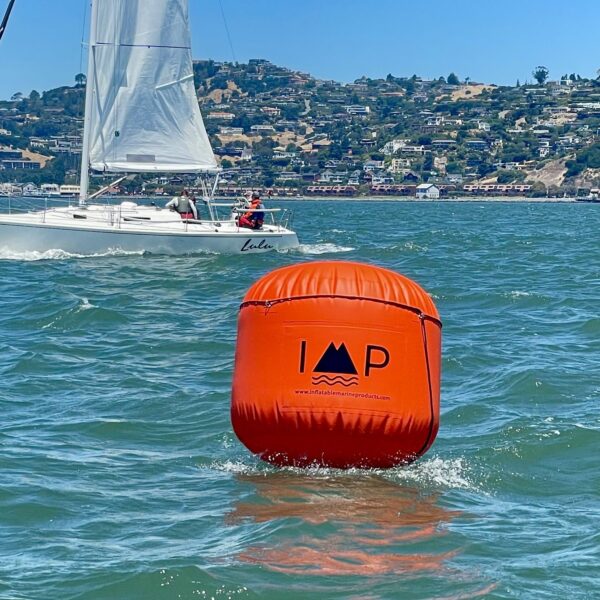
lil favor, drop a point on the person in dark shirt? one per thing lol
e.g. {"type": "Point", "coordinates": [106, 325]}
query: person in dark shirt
{"type": "Point", "coordinates": [183, 205]}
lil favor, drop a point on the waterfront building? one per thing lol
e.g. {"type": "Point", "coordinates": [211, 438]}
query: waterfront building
{"type": "Point", "coordinates": [428, 191]}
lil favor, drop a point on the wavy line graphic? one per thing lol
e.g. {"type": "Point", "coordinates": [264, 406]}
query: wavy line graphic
{"type": "Point", "coordinates": [336, 383]}
{"type": "Point", "coordinates": [332, 377]}
{"type": "Point", "coordinates": [331, 381]}
{"type": "Point", "coordinates": [336, 377]}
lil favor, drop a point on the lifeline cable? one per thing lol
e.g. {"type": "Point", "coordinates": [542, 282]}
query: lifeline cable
{"type": "Point", "coordinates": [83, 44]}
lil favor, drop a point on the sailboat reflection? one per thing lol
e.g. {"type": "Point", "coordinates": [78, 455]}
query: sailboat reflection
{"type": "Point", "coordinates": [344, 525]}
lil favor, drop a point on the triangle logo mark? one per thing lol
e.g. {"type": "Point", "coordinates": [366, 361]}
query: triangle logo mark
{"type": "Point", "coordinates": [336, 360]}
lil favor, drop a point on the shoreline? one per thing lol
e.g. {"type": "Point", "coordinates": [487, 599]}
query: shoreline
{"type": "Point", "coordinates": [495, 199]}
{"type": "Point", "coordinates": [404, 199]}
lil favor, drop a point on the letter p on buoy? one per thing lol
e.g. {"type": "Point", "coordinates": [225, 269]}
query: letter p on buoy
{"type": "Point", "coordinates": [337, 364]}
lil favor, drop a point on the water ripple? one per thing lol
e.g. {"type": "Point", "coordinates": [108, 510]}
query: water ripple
{"type": "Point", "coordinates": [120, 476]}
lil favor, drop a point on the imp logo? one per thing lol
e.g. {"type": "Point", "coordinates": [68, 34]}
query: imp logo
{"type": "Point", "coordinates": [336, 367]}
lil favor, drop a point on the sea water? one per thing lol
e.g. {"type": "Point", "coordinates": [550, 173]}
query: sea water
{"type": "Point", "coordinates": [120, 476]}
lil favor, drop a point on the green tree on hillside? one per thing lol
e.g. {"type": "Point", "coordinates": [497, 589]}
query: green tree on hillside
{"type": "Point", "coordinates": [453, 79]}
{"type": "Point", "coordinates": [589, 158]}
{"type": "Point", "coordinates": [540, 74]}
{"type": "Point", "coordinates": [80, 79]}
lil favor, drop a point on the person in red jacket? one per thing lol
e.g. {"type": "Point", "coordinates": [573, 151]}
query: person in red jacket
{"type": "Point", "coordinates": [253, 219]}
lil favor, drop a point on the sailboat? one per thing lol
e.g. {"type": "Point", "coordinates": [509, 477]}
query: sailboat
{"type": "Point", "coordinates": [142, 116]}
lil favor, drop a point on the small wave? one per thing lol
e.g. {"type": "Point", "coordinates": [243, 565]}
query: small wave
{"type": "Point", "coordinates": [85, 305]}
{"type": "Point", "coordinates": [587, 426]}
{"type": "Point", "coordinates": [415, 247]}
{"type": "Point", "coordinates": [57, 254]}
{"type": "Point", "coordinates": [326, 248]}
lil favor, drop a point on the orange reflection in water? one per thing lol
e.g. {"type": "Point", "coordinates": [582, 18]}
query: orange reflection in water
{"type": "Point", "coordinates": [379, 527]}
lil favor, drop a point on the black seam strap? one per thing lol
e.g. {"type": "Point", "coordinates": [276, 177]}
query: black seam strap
{"type": "Point", "coordinates": [269, 303]}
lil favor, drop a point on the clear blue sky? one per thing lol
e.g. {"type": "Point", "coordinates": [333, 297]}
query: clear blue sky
{"type": "Point", "coordinates": [493, 41]}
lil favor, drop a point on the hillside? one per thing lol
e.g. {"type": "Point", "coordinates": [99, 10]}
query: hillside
{"type": "Point", "coordinates": [273, 127]}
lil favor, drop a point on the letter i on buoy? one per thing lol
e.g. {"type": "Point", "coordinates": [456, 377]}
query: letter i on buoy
{"type": "Point", "coordinates": [348, 374]}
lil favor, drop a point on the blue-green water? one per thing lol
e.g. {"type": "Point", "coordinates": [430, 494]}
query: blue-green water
{"type": "Point", "coordinates": [120, 476]}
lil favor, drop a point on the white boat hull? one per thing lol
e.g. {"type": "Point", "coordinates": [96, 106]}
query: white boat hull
{"type": "Point", "coordinates": [61, 231]}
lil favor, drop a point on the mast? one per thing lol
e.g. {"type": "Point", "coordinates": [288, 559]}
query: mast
{"type": "Point", "coordinates": [89, 98]}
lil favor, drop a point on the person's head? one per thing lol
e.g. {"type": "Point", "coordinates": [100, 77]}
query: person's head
{"type": "Point", "coordinates": [255, 196]}
{"type": "Point", "coordinates": [185, 193]}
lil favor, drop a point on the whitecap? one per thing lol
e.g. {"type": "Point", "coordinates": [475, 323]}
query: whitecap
{"type": "Point", "coordinates": [85, 304]}
{"type": "Point", "coordinates": [235, 467]}
{"type": "Point", "coordinates": [587, 426]}
{"type": "Point", "coordinates": [415, 246]}
{"type": "Point", "coordinates": [325, 248]}
{"type": "Point", "coordinates": [447, 473]}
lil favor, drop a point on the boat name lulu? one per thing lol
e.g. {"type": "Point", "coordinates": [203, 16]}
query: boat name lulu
{"type": "Point", "coordinates": [262, 245]}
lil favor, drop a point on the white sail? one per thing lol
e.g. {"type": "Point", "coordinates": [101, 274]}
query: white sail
{"type": "Point", "coordinates": [144, 110]}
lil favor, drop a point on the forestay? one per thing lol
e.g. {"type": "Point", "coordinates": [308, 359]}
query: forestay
{"type": "Point", "coordinates": [144, 111]}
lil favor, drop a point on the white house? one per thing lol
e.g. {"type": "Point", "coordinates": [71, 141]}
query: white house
{"type": "Point", "coordinates": [398, 164]}
{"type": "Point", "coordinates": [393, 147]}
{"type": "Point", "coordinates": [358, 110]}
{"type": "Point", "coordinates": [428, 191]}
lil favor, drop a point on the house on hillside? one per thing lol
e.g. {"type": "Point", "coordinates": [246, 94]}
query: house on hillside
{"type": "Point", "coordinates": [410, 176]}
{"type": "Point", "coordinates": [261, 129]}
{"type": "Point", "coordinates": [358, 110]}
{"type": "Point", "coordinates": [354, 178]}
{"type": "Point", "coordinates": [372, 165]}
{"type": "Point", "coordinates": [428, 191]}
{"type": "Point", "coordinates": [398, 165]}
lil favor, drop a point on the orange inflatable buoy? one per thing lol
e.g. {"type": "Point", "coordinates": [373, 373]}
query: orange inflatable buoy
{"type": "Point", "coordinates": [337, 364]}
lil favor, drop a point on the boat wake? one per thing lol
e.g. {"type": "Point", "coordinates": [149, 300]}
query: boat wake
{"type": "Point", "coordinates": [57, 254]}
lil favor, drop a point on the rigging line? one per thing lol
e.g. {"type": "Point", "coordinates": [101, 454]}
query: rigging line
{"type": "Point", "coordinates": [227, 31]}
{"type": "Point", "coordinates": [82, 37]}
{"type": "Point", "coordinates": [6, 17]}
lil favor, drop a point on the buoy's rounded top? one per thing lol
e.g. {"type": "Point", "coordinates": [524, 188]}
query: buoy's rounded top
{"type": "Point", "coordinates": [344, 279]}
